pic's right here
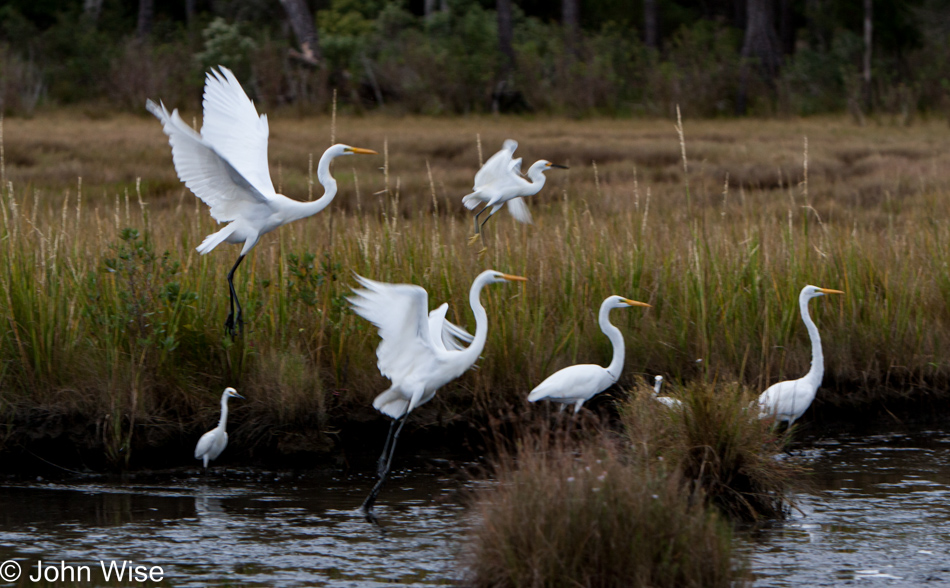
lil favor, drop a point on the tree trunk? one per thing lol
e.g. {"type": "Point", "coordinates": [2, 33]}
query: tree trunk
{"type": "Point", "coordinates": [760, 43]}
{"type": "Point", "coordinates": [868, 38]}
{"type": "Point", "coordinates": [190, 12]}
{"type": "Point", "coordinates": [505, 39]}
{"type": "Point", "coordinates": [91, 9]}
{"type": "Point", "coordinates": [146, 14]}
{"type": "Point", "coordinates": [429, 8]}
{"type": "Point", "coordinates": [569, 20]}
{"type": "Point", "coordinates": [651, 36]}
{"type": "Point", "coordinates": [301, 21]}
{"type": "Point", "coordinates": [786, 27]}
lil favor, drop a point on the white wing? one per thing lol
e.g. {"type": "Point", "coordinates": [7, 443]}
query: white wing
{"type": "Point", "coordinates": [233, 128]}
{"type": "Point", "coordinates": [498, 165]}
{"type": "Point", "coordinates": [446, 335]}
{"type": "Point", "coordinates": [206, 173]}
{"type": "Point", "coordinates": [399, 312]}
{"type": "Point", "coordinates": [519, 210]}
{"type": "Point", "coordinates": [204, 444]}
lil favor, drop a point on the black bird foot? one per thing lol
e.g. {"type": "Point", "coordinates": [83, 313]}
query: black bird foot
{"type": "Point", "coordinates": [232, 327]}
{"type": "Point", "coordinates": [370, 515]}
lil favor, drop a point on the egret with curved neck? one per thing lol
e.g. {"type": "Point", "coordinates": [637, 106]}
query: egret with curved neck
{"type": "Point", "coordinates": [214, 441]}
{"type": "Point", "coordinates": [499, 181]}
{"type": "Point", "coordinates": [787, 401]}
{"type": "Point", "coordinates": [419, 351]}
{"type": "Point", "coordinates": [226, 167]}
{"type": "Point", "coordinates": [579, 383]}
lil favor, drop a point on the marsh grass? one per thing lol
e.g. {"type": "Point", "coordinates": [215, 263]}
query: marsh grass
{"type": "Point", "coordinates": [717, 443]}
{"type": "Point", "coordinates": [138, 344]}
{"type": "Point", "coordinates": [563, 513]}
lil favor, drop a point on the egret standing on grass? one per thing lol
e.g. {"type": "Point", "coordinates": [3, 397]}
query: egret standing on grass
{"type": "Point", "coordinates": [579, 383]}
{"type": "Point", "coordinates": [787, 401]}
{"type": "Point", "coordinates": [214, 441]}
{"type": "Point", "coordinates": [671, 402]}
{"type": "Point", "coordinates": [420, 351]}
{"type": "Point", "coordinates": [500, 181]}
{"type": "Point", "coordinates": [226, 166]}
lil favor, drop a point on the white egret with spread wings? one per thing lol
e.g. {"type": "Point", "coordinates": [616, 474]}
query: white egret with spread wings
{"type": "Point", "coordinates": [420, 351]}
{"type": "Point", "coordinates": [500, 181]}
{"type": "Point", "coordinates": [226, 167]}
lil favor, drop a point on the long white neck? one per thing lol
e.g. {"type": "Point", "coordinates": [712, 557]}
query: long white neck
{"type": "Point", "coordinates": [657, 386]}
{"type": "Point", "coordinates": [471, 353]}
{"type": "Point", "coordinates": [537, 177]}
{"type": "Point", "coordinates": [299, 210]}
{"type": "Point", "coordinates": [613, 333]}
{"type": "Point", "coordinates": [817, 370]}
{"type": "Point", "coordinates": [223, 421]}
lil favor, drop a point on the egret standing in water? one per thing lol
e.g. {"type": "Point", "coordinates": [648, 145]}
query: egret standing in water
{"type": "Point", "coordinates": [214, 441]}
{"type": "Point", "coordinates": [579, 383]}
{"type": "Point", "coordinates": [420, 351]}
{"type": "Point", "coordinates": [787, 401]}
{"type": "Point", "coordinates": [226, 167]}
{"type": "Point", "coordinates": [500, 181]}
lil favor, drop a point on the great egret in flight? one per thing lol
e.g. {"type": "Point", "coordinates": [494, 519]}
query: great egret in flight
{"type": "Point", "coordinates": [226, 166]}
{"type": "Point", "coordinates": [578, 383]}
{"type": "Point", "coordinates": [500, 181]}
{"type": "Point", "coordinates": [787, 401]}
{"type": "Point", "coordinates": [420, 351]}
{"type": "Point", "coordinates": [670, 402]}
{"type": "Point", "coordinates": [214, 441]}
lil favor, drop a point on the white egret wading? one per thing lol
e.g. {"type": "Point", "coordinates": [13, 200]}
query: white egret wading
{"type": "Point", "coordinates": [214, 441]}
{"type": "Point", "coordinates": [579, 383]}
{"type": "Point", "coordinates": [420, 351]}
{"type": "Point", "coordinates": [499, 181]}
{"type": "Point", "coordinates": [787, 401]}
{"type": "Point", "coordinates": [671, 402]}
{"type": "Point", "coordinates": [226, 167]}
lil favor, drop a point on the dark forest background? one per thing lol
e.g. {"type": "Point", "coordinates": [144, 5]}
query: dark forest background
{"type": "Point", "coordinates": [574, 57]}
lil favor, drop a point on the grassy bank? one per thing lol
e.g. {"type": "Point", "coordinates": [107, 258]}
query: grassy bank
{"type": "Point", "coordinates": [112, 324]}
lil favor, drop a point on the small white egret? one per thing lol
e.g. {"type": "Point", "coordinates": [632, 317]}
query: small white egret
{"type": "Point", "coordinates": [500, 181]}
{"type": "Point", "coordinates": [420, 351]}
{"type": "Point", "coordinates": [787, 401]}
{"type": "Point", "coordinates": [226, 167]}
{"type": "Point", "coordinates": [214, 441]}
{"type": "Point", "coordinates": [671, 402]}
{"type": "Point", "coordinates": [579, 383]}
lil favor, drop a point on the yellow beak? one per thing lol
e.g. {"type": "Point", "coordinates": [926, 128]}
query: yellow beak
{"type": "Point", "coordinates": [362, 151]}
{"type": "Point", "coordinates": [830, 291]}
{"type": "Point", "coordinates": [512, 278]}
{"type": "Point", "coordinates": [635, 303]}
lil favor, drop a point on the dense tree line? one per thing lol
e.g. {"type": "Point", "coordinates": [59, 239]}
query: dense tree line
{"type": "Point", "coordinates": [712, 57]}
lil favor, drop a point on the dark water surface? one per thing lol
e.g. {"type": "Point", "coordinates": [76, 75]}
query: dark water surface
{"type": "Point", "coordinates": [877, 514]}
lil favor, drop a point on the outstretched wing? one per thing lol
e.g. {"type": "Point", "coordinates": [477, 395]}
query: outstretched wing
{"type": "Point", "coordinates": [234, 129]}
{"type": "Point", "coordinates": [205, 172]}
{"type": "Point", "coordinates": [519, 209]}
{"type": "Point", "coordinates": [498, 166]}
{"type": "Point", "coordinates": [399, 312]}
{"type": "Point", "coordinates": [444, 334]}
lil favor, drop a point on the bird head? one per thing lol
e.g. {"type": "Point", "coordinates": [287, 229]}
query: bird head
{"type": "Point", "coordinates": [232, 393]}
{"type": "Point", "coordinates": [340, 149]}
{"type": "Point", "coordinates": [621, 302]}
{"type": "Point", "coordinates": [544, 165]}
{"type": "Point", "coordinates": [809, 292]}
{"type": "Point", "coordinates": [499, 277]}
{"type": "Point", "coordinates": [658, 379]}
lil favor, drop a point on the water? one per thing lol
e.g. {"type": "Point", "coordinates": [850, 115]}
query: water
{"type": "Point", "coordinates": [877, 513]}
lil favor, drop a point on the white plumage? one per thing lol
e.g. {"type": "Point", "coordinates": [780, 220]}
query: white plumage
{"type": "Point", "coordinates": [787, 401]}
{"type": "Point", "coordinates": [226, 167]}
{"type": "Point", "coordinates": [666, 400]}
{"type": "Point", "coordinates": [500, 181]}
{"type": "Point", "coordinates": [579, 383]}
{"type": "Point", "coordinates": [213, 442]}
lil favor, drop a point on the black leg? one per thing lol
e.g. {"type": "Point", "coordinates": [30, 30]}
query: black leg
{"type": "Point", "coordinates": [229, 323]}
{"type": "Point", "coordinates": [381, 465]}
{"type": "Point", "coordinates": [482, 228]}
{"type": "Point", "coordinates": [477, 214]}
{"type": "Point", "coordinates": [367, 507]}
